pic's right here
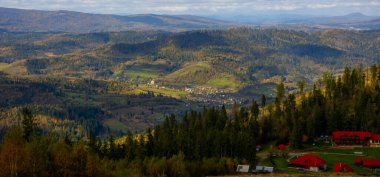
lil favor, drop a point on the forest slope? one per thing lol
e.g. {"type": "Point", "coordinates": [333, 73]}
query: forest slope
{"type": "Point", "coordinates": [247, 59]}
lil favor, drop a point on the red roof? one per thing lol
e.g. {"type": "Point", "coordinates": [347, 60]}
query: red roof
{"type": "Point", "coordinates": [371, 162]}
{"type": "Point", "coordinates": [376, 137]}
{"type": "Point", "coordinates": [281, 146]}
{"type": "Point", "coordinates": [360, 135]}
{"type": "Point", "coordinates": [308, 160]}
{"type": "Point", "coordinates": [367, 162]}
{"type": "Point", "coordinates": [341, 167]}
{"type": "Point", "coordinates": [358, 161]}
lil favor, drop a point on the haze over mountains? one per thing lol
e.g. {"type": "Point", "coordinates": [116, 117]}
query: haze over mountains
{"type": "Point", "coordinates": [18, 20]}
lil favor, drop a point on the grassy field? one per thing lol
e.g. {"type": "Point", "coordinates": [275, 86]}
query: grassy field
{"type": "Point", "coordinates": [164, 91]}
{"type": "Point", "coordinates": [331, 156]}
{"type": "Point", "coordinates": [199, 73]}
{"type": "Point", "coordinates": [224, 81]}
{"type": "Point", "coordinates": [347, 156]}
{"type": "Point", "coordinates": [141, 74]}
{"type": "Point", "coordinates": [3, 66]}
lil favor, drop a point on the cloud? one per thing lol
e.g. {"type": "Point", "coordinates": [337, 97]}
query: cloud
{"type": "Point", "coordinates": [190, 6]}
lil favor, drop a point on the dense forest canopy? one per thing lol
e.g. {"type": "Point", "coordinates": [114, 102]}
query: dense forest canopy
{"type": "Point", "coordinates": [209, 142]}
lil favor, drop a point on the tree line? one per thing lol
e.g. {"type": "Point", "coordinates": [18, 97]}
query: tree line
{"type": "Point", "coordinates": [203, 143]}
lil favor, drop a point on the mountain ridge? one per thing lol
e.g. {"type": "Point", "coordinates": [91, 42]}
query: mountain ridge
{"type": "Point", "coordinates": [22, 20]}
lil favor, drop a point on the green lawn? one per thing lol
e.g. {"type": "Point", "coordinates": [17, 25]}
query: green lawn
{"type": "Point", "coordinates": [164, 91]}
{"type": "Point", "coordinates": [347, 159]}
{"type": "Point", "coordinates": [331, 156]}
{"type": "Point", "coordinates": [142, 74]}
{"type": "Point", "coordinates": [347, 156]}
{"type": "Point", "coordinates": [225, 81]}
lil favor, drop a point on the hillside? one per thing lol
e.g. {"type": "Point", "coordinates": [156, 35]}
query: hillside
{"type": "Point", "coordinates": [80, 106]}
{"type": "Point", "coordinates": [372, 24]}
{"type": "Point", "coordinates": [242, 57]}
{"type": "Point", "coordinates": [19, 20]}
{"type": "Point", "coordinates": [189, 68]}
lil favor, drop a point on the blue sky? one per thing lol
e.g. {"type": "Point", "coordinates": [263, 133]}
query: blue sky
{"type": "Point", "coordinates": [203, 7]}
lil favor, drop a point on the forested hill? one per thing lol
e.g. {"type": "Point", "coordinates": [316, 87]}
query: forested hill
{"type": "Point", "coordinates": [19, 20]}
{"type": "Point", "coordinates": [231, 60]}
{"type": "Point", "coordinates": [78, 72]}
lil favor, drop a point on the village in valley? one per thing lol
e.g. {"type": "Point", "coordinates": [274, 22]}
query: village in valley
{"type": "Point", "coordinates": [200, 94]}
{"type": "Point", "coordinates": [344, 152]}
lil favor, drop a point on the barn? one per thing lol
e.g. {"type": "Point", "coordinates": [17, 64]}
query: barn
{"type": "Point", "coordinates": [309, 161]}
{"type": "Point", "coordinates": [367, 163]}
{"type": "Point", "coordinates": [341, 167]}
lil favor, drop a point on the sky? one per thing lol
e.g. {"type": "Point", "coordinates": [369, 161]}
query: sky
{"type": "Point", "coordinates": [203, 7]}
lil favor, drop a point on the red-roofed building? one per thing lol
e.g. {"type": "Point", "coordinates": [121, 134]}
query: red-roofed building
{"type": "Point", "coordinates": [351, 138]}
{"type": "Point", "coordinates": [368, 163]}
{"type": "Point", "coordinates": [341, 167]}
{"type": "Point", "coordinates": [309, 161]}
{"type": "Point", "coordinates": [358, 161]}
{"type": "Point", "coordinates": [356, 138]}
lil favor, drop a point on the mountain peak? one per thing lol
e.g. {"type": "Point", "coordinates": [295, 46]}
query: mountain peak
{"type": "Point", "coordinates": [356, 14]}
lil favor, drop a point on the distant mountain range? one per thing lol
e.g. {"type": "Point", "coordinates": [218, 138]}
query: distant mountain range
{"type": "Point", "coordinates": [20, 20]}
{"type": "Point", "coordinates": [350, 21]}
{"type": "Point", "coordinates": [353, 21]}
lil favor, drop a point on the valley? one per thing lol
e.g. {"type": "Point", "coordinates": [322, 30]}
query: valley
{"type": "Point", "coordinates": [118, 90]}
{"type": "Point", "coordinates": [191, 68]}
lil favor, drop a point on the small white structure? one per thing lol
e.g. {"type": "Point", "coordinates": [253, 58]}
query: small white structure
{"type": "Point", "coordinates": [264, 169]}
{"type": "Point", "coordinates": [315, 169]}
{"type": "Point", "coordinates": [259, 168]}
{"type": "Point", "coordinates": [269, 169]}
{"type": "Point", "coordinates": [242, 168]}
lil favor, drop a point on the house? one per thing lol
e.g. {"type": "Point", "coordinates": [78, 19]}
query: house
{"type": "Point", "coordinates": [341, 167]}
{"type": "Point", "coordinates": [353, 138]}
{"type": "Point", "coordinates": [310, 162]}
{"type": "Point", "coordinates": [367, 163]}
{"type": "Point", "coordinates": [243, 169]}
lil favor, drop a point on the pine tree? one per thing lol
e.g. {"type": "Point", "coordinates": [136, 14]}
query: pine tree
{"type": "Point", "coordinates": [28, 123]}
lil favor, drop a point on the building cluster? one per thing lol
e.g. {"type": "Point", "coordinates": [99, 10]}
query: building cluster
{"type": "Point", "coordinates": [342, 138]}
{"type": "Point", "coordinates": [314, 163]}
